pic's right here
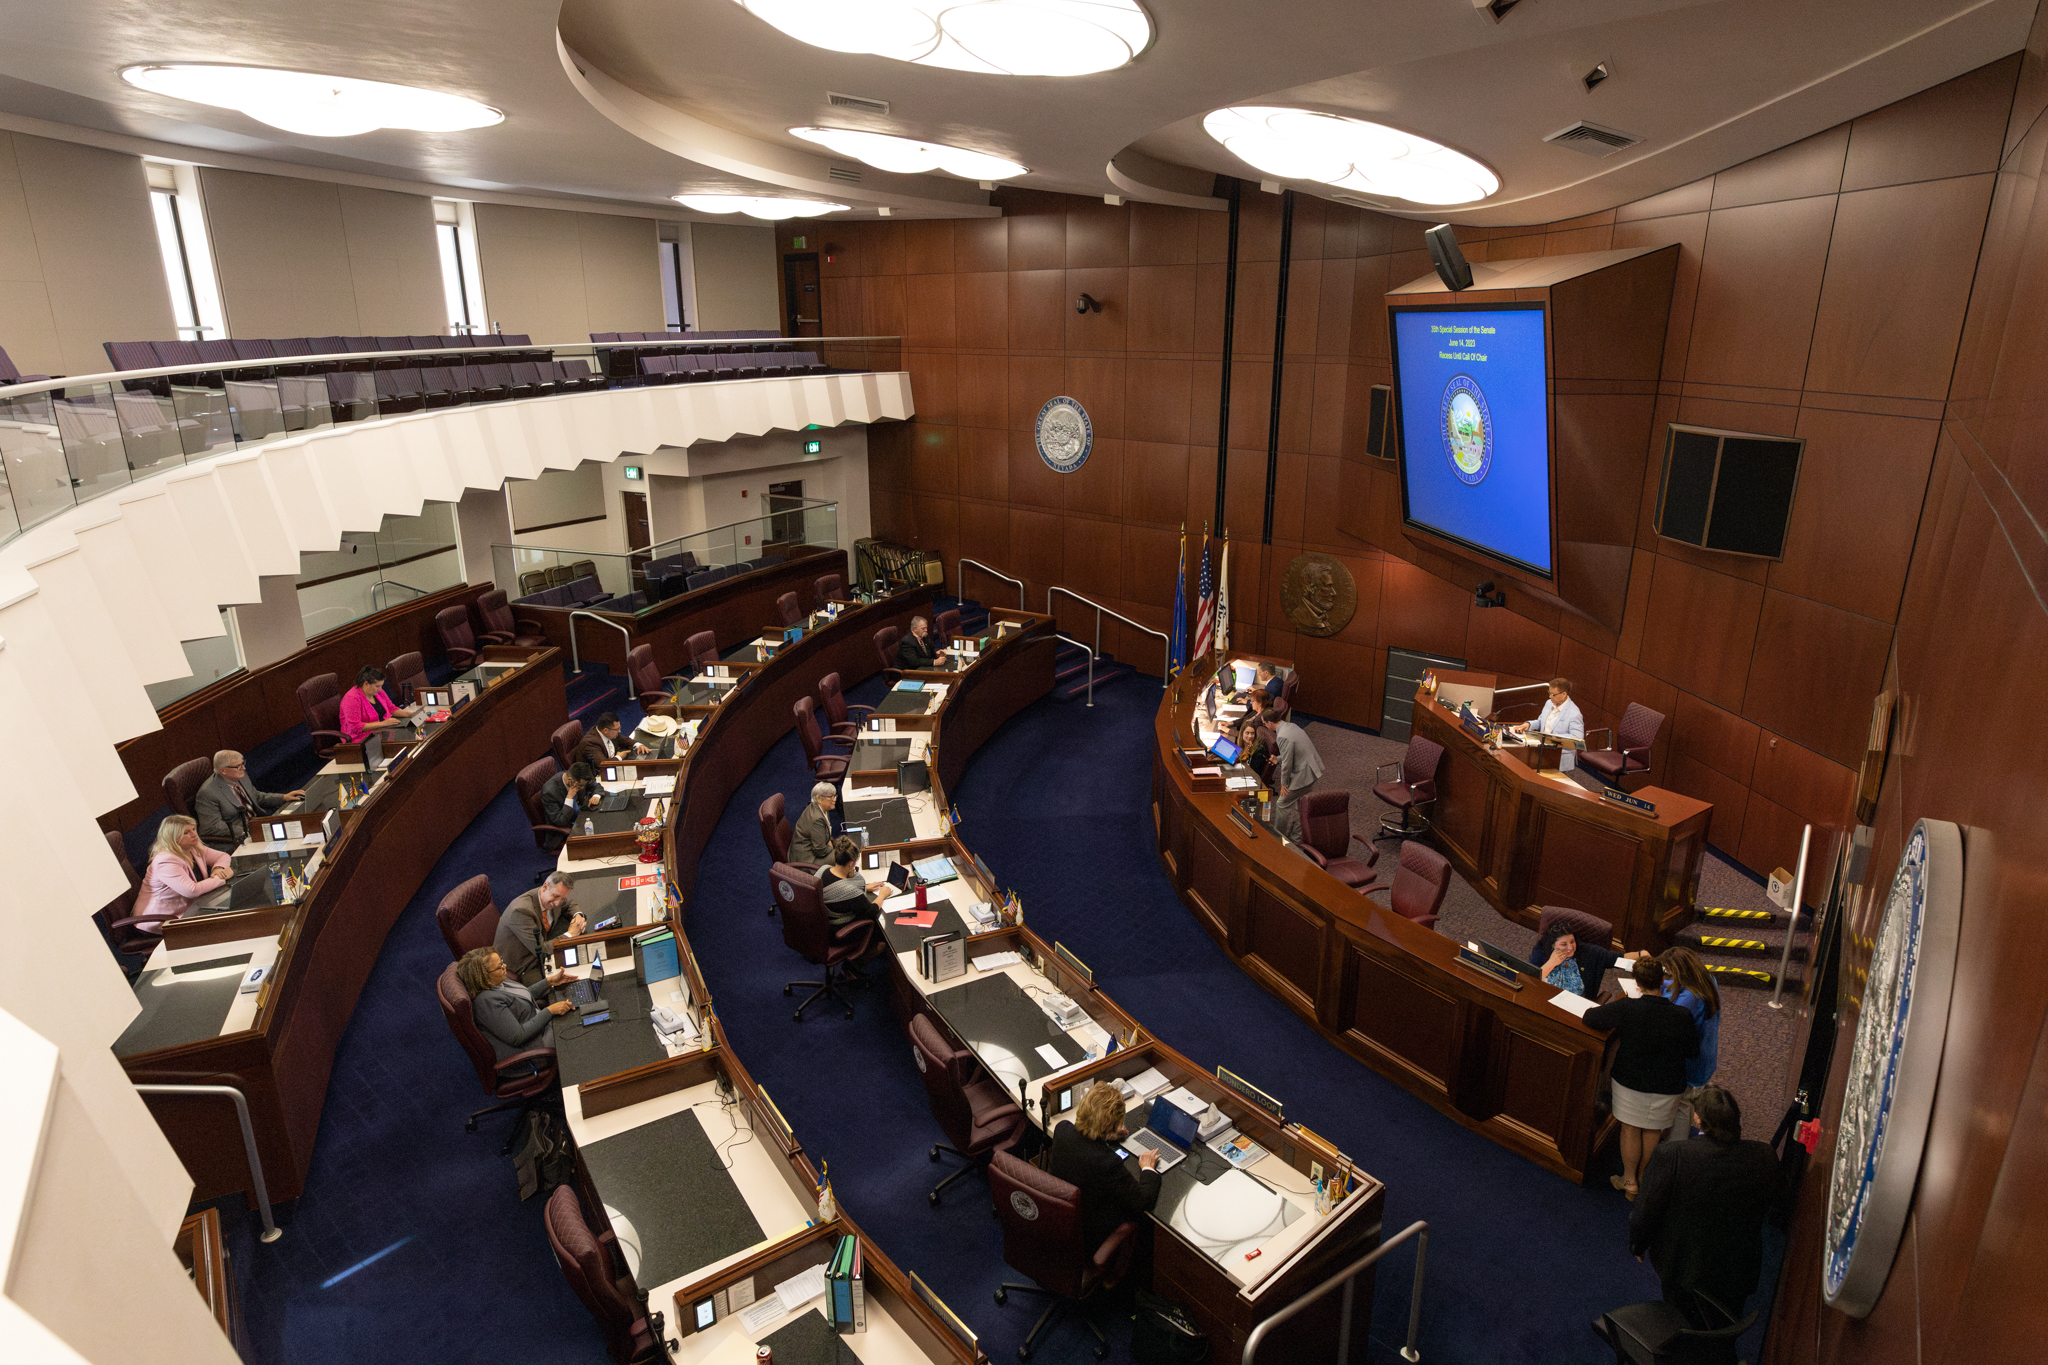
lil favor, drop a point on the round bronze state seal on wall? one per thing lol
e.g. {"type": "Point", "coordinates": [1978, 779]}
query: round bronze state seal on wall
{"type": "Point", "coordinates": [1318, 595]}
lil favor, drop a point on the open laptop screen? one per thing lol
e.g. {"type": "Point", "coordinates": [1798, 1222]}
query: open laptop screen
{"type": "Point", "coordinates": [1226, 750]}
{"type": "Point", "coordinates": [1173, 1123]}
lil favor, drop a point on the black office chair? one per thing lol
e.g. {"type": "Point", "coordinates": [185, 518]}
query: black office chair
{"type": "Point", "coordinates": [1042, 1237]}
{"type": "Point", "coordinates": [1656, 1333]}
{"type": "Point", "coordinates": [978, 1116]}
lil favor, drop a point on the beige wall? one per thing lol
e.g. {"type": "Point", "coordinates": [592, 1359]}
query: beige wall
{"type": "Point", "coordinates": [559, 275]}
{"type": "Point", "coordinates": [735, 266]}
{"type": "Point", "coordinates": [78, 256]}
{"type": "Point", "coordinates": [305, 258]}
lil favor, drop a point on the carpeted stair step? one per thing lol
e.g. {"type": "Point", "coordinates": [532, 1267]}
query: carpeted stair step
{"type": "Point", "coordinates": [1070, 672]}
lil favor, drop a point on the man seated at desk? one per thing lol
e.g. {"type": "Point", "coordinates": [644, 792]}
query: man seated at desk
{"type": "Point", "coordinates": [225, 803]}
{"type": "Point", "coordinates": [914, 651]}
{"type": "Point", "coordinates": [566, 793]}
{"type": "Point", "coordinates": [505, 1010]}
{"type": "Point", "coordinates": [1084, 1155]}
{"type": "Point", "coordinates": [812, 842]}
{"type": "Point", "coordinates": [1560, 717]}
{"type": "Point", "coordinates": [533, 921]}
{"type": "Point", "coordinates": [603, 745]}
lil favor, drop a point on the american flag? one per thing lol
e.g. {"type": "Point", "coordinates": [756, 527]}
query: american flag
{"type": "Point", "coordinates": [1205, 608]}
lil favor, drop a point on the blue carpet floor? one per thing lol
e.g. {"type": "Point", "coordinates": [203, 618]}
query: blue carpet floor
{"type": "Point", "coordinates": [410, 1243]}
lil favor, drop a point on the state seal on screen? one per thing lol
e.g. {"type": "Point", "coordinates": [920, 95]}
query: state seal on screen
{"type": "Point", "coordinates": [1467, 429]}
{"type": "Point", "coordinates": [1064, 434]}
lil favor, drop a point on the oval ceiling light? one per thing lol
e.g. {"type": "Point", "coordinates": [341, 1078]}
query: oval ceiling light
{"type": "Point", "coordinates": [908, 156]}
{"type": "Point", "coordinates": [313, 105]}
{"type": "Point", "coordinates": [1001, 37]}
{"type": "Point", "coordinates": [1299, 144]}
{"type": "Point", "coordinates": [758, 205]}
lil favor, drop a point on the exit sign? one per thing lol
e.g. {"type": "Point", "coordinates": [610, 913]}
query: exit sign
{"type": "Point", "coordinates": [632, 471]}
{"type": "Point", "coordinates": [797, 243]}
{"type": "Point", "coordinates": [813, 447]}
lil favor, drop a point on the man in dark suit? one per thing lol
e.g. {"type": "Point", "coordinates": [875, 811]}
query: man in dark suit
{"type": "Point", "coordinates": [914, 651]}
{"type": "Point", "coordinates": [1700, 1212]}
{"type": "Point", "coordinates": [225, 803]}
{"type": "Point", "coordinates": [533, 921]}
{"type": "Point", "coordinates": [812, 841]}
{"type": "Point", "coordinates": [1084, 1155]}
{"type": "Point", "coordinates": [602, 744]}
{"type": "Point", "coordinates": [567, 793]}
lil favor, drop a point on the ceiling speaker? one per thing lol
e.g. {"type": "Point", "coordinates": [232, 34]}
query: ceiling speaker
{"type": "Point", "coordinates": [1449, 261]}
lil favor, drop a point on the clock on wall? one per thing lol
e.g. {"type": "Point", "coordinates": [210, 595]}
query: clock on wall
{"type": "Point", "coordinates": [1893, 1067]}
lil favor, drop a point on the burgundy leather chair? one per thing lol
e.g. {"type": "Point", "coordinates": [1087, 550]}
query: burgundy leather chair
{"type": "Point", "coordinates": [1421, 880]}
{"type": "Point", "coordinates": [1413, 784]}
{"type": "Point", "coordinates": [837, 710]}
{"type": "Point", "coordinates": [787, 608]}
{"type": "Point", "coordinates": [830, 588]}
{"type": "Point", "coordinates": [976, 1114]}
{"type": "Point", "coordinates": [530, 779]}
{"type": "Point", "coordinates": [886, 640]}
{"type": "Point", "coordinates": [826, 767]}
{"type": "Point", "coordinates": [702, 648]}
{"type": "Point", "coordinates": [808, 930]}
{"type": "Point", "coordinates": [595, 1269]}
{"type": "Point", "coordinates": [408, 670]}
{"type": "Point", "coordinates": [183, 782]}
{"type": "Point", "coordinates": [127, 935]}
{"type": "Point", "coordinates": [1632, 740]}
{"type": "Point", "coordinates": [456, 637]}
{"type": "Point", "coordinates": [947, 626]}
{"type": "Point", "coordinates": [468, 917]}
{"type": "Point", "coordinates": [1041, 1216]}
{"type": "Point", "coordinates": [1283, 705]}
{"type": "Point", "coordinates": [644, 675]}
{"type": "Point", "coordinates": [1596, 939]}
{"type": "Point", "coordinates": [1326, 837]}
{"type": "Point", "coordinates": [501, 627]}
{"type": "Point", "coordinates": [320, 701]}
{"type": "Point", "coordinates": [518, 1082]}
{"type": "Point", "coordinates": [562, 743]}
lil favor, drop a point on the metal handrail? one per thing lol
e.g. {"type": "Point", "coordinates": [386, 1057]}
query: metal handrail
{"type": "Point", "coordinates": [1792, 920]}
{"type": "Point", "coordinates": [1347, 1278]}
{"type": "Point", "coordinates": [270, 1231]}
{"type": "Point", "coordinates": [965, 563]}
{"type": "Point", "coordinates": [576, 655]}
{"type": "Point", "coordinates": [25, 389]}
{"type": "Point", "coordinates": [1166, 659]}
{"type": "Point", "coordinates": [394, 583]}
{"type": "Point", "coordinates": [1091, 662]}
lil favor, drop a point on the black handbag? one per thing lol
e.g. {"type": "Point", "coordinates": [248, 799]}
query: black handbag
{"type": "Point", "coordinates": [1162, 1333]}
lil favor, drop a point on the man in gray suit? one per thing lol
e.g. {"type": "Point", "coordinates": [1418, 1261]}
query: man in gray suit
{"type": "Point", "coordinates": [225, 803]}
{"type": "Point", "coordinates": [1299, 768]}
{"type": "Point", "coordinates": [533, 921]}
{"type": "Point", "coordinates": [812, 842]}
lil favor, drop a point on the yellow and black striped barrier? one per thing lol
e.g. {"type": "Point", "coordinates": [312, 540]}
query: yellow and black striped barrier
{"type": "Point", "coordinates": [1715, 943]}
{"type": "Point", "coordinates": [1747, 916]}
{"type": "Point", "coordinates": [1740, 976]}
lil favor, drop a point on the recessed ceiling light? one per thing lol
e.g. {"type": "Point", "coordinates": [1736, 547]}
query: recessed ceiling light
{"type": "Point", "coordinates": [317, 106]}
{"type": "Point", "coordinates": [1297, 144]}
{"type": "Point", "coordinates": [1003, 37]}
{"type": "Point", "coordinates": [757, 205]}
{"type": "Point", "coordinates": [907, 155]}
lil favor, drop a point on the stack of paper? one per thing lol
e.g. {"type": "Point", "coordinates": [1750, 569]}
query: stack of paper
{"type": "Point", "coordinates": [1571, 1002]}
{"type": "Point", "coordinates": [989, 962]}
{"type": "Point", "coordinates": [659, 786]}
{"type": "Point", "coordinates": [1148, 1083]}
{"type": "Point", "coordinates": [798, 1290]}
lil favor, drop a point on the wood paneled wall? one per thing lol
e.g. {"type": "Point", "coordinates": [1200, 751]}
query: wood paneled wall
{"type": "Point", "coordinates": [1821, 292]}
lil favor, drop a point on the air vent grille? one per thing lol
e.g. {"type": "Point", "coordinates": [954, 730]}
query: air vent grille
{"type": "Point", "coordinates": [839, 101]}
{"type": "Point", "coordinates": [845, 175]}
{"type": "Point", "coordinates": [1592, 139]}
{"type": "Point", "coordinates": [1360, 200]}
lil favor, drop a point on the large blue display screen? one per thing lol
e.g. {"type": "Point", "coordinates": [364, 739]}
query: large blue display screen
{"type": "Point", "coordinates": [1475, 427]}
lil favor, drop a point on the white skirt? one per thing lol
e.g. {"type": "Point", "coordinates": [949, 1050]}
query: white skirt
{"type": "Point", "coordinates": [1640, 1110]}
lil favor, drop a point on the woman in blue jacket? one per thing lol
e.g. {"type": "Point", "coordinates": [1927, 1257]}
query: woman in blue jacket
{"type": "Point", "coordinates": [1688, 983]}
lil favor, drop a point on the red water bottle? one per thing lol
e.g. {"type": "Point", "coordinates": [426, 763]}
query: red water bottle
{"type": "Point", "coordinates": [920, 896]}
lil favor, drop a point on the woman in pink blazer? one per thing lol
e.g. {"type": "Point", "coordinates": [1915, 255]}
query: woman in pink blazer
{"type": "Point", "coordinates": [180, 871]}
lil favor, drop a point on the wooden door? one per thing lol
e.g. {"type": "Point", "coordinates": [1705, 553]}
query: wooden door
{"type": "Point", "coordinates": [801, 296]}
{"type": "Point", "coordinates": [637, 537]}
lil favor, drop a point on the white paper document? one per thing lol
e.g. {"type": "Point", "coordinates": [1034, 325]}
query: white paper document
{"type": "Point", "coordinates": [798, 1290]}
{"type": "Point", "coordinates": [871, 793]}
{"type": "Point", "coordinates": [1183, 1098]}
{"type": "Point", "coordinates": [1050, 1055]}
{"type": "Point", "coordinates": [1630, 989]}
{"type": "Point", "coordinates": [659, 786]}
{"type": "Point", "coordinates": [1572, 1002]}
{"type": "Point", "coordinates": [762, 1313]}
{"type": "Point", "coordinates": [1148, 1083]}
{"type": "Point", "coordinates": [990, 962]}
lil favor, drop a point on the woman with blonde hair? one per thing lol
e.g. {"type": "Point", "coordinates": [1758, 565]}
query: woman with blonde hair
{"type": "Point", "coordinates": [1687, 982]}
{"type": "Point", "coordinates": [181, 870]}
{"type": "Point", "coordinates": [1084, 1154]}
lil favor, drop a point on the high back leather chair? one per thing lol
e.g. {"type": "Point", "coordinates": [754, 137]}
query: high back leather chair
{"type": "Point", "coordinates": [597, 1272]}
{"type": "Point", "coordinates": [1413, 784]}
{"type": "Point", "coordinates": [1632, 740]}
{"type": "Point", "coordinates": [1657, 1333]}
{"type": "Point", "coordinates": [829, 588]}
{"type": "Point", "coordinates": [1327, 838]}
{"type": "Point", "coordinates": [1283, 705]}
{"type": "Point", "coordinates": [501, 627]}
{"type": "Point", "coordinates": [786, 607]}
{"type": "Point", "coordinates": [320, 702]}
{"type": "Point", "coordinates": [562, 743]}
{"type": "Point", "coordinates": [701, 648]}
{"type": "Point", "coordinates": [408, 670]}
{"type": "Point", "coordinates": [126, 935]}
{"type": "Point", "coordinates": [808, 930]}
{"type": "Point", "coordinates": [518, 1082]}
{"type": "Point", "coordinates": [825, 767]}
{"type": "Point", "coordinates": [1041, 1217]}
{"type": "Point", "coordinates": [886, 640]}
{"type": "Point", "coordinates": [527, 784]}
{"type": "Point", "coordinates": [947, 626]}
{"type": "Point", "coordinates": [182, 783]}
{"type": "Point", "coordinates": [644, 675]}
{"type": "Point", "coordinates": [1421, 880]}
{"type": "Point", "coordinates": [1596, 938]}
{"type": "Point", "coordinates": [777, 834]}
{"type": "Point", "coordinates": [841, 717]}
{"type": "Point", "coordinates": [467, 917]}
{"type": "Point", "coordinates": [457, 639]}
{"type": "Point", "coordinates": [977, 1116]}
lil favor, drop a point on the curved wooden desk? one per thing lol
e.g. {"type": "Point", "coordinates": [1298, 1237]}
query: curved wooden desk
{"type": "Point", "coordinates": [1386, 990]}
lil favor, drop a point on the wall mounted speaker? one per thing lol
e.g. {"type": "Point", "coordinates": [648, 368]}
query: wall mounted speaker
{"type": "Point", "coordinates": [1379, 424]}
{"type": "Point", "coordinates": [1449, 261]}
{"type": "Point", "coordinates": [1728, 490]}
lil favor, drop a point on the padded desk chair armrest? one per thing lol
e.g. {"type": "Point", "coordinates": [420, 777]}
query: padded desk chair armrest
{"type": "Point", "coordinates": [848, 740]}
{"type": "Point", "coordinates": [495, 637]}
{"type": "Point", "coordinates": [1423, 791]}
{"type": "Point", "coordinates": [828, 768]}
{"type": "Point", "coordinates": [334, 735]}
{"type": "Point", "coordinates": [1380, 773]}
{"type": "Point", "coordinates": [892, 676]}
{"type": "Point", "coordinates": [1113, 1243]}
{"type": "Point", "coordinates": [1603, 730]}
{"type": "Point", "coordinates": [1314, 855]}
{"type": "Point", "coordinates": [648, 699]}
{"type": "Point", "coordinates": [534, 1054]}
{"type": "Point", "coordinates": [562, 830]}
{"type": "Point", "coordinates": [858, 929]}
{"type": "Point", "coordinates": [853, 706]}
{"type": "Point", "coordinates": [459, 656]}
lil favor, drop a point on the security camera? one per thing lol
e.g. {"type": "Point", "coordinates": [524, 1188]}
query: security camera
{"type": "Point", "coordinates": [1485, 596]}
{"type": "Point", "coordinates": [1087, 303]}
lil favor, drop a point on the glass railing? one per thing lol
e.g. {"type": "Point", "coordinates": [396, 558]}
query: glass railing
{"type": "Point", "coordinates": [551, 576]}
{"type": "Point", "coordinates": [409, 558]}
{"type": "Point", "coordinates": [66, 440]}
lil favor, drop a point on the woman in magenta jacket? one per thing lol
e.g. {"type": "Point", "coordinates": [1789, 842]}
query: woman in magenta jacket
{"type": "Point", "coordinates": [364, 707]}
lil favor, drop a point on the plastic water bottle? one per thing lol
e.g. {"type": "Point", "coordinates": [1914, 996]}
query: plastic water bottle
{"type": "Point", "coordinates": [277, 885]}
{"type": "Point", "coordinates": [589, 825]}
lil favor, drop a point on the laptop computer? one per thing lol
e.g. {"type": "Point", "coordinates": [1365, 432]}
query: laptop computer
{"type": "Point", "coordinates": [615, 801]}
{"type": "Point", "coordinates": [1169, 1130]}
{"type": "Point", "coordinates": [1224, 749]}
